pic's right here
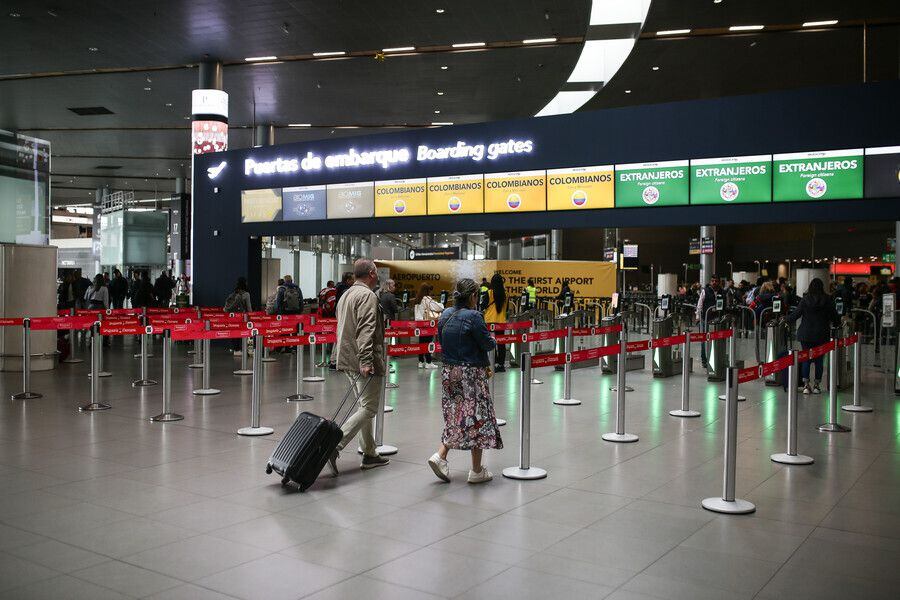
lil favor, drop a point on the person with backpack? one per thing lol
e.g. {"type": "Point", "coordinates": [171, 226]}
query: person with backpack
{"type": "Point", "coordinates": [289, 298]}
{"type": "Point", "coordinates": [327, 300]}
{"type": "Point", "coordinates": [817, 316]}
{"type": "Point", "coordinates": [142, 294]}
{"type": "Point", "coordinates": [427, 309]}
{"type": "Point", "coordinates": [162, 289]}
{"type": "Point", "coordinates": [271, 298]}
{"type": "Point", "coordinates": [239, 300]}
{"type": "Point", "coordinates": [118, 289]}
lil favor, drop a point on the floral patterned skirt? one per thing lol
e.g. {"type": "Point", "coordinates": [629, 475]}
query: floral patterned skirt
{"type": "Point", "coordinates": [468, 409]}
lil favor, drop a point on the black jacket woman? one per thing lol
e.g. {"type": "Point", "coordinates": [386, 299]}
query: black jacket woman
{"type": "Point", "coordinates": [817, 316]}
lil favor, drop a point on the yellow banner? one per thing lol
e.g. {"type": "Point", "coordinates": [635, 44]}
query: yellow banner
{"type": "Point", "coordinates": [260, 205]}
{"type": "Point", "coordinates": [400, 198]}
{"type": "Point", "coordinates": [580, 188]}
{"type": "Point", "coordinates": [515, 192]}
{"type": "Point", "coordinates": [586, 278]}
{"type": "Point", "coordinates": [456, 195]}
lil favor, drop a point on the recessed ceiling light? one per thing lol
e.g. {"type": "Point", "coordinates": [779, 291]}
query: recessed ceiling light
{"type": "Point", "coordinates": [93, 49]}
{"type": "Point", "coordinates": [717, 1]}
{"type": "Point", "coordinates": [168, 104]}
{"type": "Point", "coordinates": [745, 27]}
{"type": "Point", "coordinates": [673, 32]}
{"type": "Point", "coordinates": [439, 11]}
{"type": "Point", "coordinates": [549, 40]}
{"type": "Point", "coordinates": [441, 123]}
{"type": "Point", "coordinates": [440, 93]}
{"type": "Point", "coordinates": [656, 68]}
{"type": "Point", "coordinates": [147, 89]}
{"type": "Point", "coordinates": [336, 53]}
{"type": "Point", "coordinates": [259, 58]}
{"type": "Point", "coordinates": [15, 15]}
{"type": "Point", "coordinates": [399, 49]}
{"type": "Point", "coordinates": [469, 45]}
{"type": "Point", "coordinates": [444, 67]}
{"type": "Point", "coordinates": [627, 91]}
{"type": "Point", "coordinates": [300, 125]}
{"type": "Point", "coordinates": [437, 111]}
{"type": "Point", "coordinates": [820, 23]}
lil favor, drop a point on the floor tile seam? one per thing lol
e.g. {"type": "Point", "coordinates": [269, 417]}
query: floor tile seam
{"type": "Point", "coordinates": [882, 537]}
{"type": "Point", "coordinates": [74, 574]}
{"type": "Point", "coordinates": [365, 574]}
{"type": "Point", "coordinates": [194, 582]}
{"type": "Point", "coordinates": [197, 531]}
{"type": "Point", "coordinates": [56, 574]}
{"type": "Point", "coordinates": [783, 564]}
{"type": "Point", "coordinates": [838, 500]}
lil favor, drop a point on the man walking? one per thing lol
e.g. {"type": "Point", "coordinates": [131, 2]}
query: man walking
{"type": "Point", "coordinates": [360, 350]}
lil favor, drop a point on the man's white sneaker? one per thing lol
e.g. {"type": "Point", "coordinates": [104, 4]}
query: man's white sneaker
{"type": "Point", "coordinates": [430, 366]}
{"type": "Point", "coordinates": [440, 467]}
{"type": "Point", "coordinates": [481, 477]}
{"type": "Point", "coordinates": [421, 365]}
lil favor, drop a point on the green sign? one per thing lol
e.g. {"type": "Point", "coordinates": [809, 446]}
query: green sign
{"type": "Point", "coordinates": [652, 184]}
{"type": "Point", "coordinates": [731, 180]}
{"type": "Point", "coordinates": [831, 175]}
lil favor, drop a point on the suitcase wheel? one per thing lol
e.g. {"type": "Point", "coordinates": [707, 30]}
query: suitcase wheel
{"type": "Point", "coordinates": [285, 481]}
{"type": "Point", "coordinates": [268, 469]}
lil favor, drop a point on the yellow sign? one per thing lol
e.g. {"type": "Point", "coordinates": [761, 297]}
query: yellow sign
{"type": "Point", "coordinates": [400, 198]}
{"type": "Point", "coordinates": [260, 205]}
{"type": "Point", "coordinates": [515, 192]}
{"type": "Point", "coordinates": [580, 187]}
{"type": "Point", "coordinates": [456, 195]}
{"type": "Point", "coordinates": [586, 278]}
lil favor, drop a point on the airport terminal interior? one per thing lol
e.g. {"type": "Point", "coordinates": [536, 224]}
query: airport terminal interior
{"type": "Point", "coordinates": [449, 300]}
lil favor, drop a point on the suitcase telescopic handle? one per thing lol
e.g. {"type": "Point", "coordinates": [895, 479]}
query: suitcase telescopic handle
{"type": "Point", "coordinates": [351, 390]}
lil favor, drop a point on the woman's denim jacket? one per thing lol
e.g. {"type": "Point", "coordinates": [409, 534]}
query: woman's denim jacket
{"type": "Point", "coordinates": [464, 337]}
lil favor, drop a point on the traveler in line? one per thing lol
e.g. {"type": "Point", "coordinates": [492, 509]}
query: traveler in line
{"type": "Point", "coordinates": [81, 285]}
{"type": "Point", "coordinates": [388, 300]}
{"type": "Point", "coordinates": [497, 306]}
{"type": "Point", "coordinates": [565, 300]}
{"type": "Point", "coordinates": [238, 301]}
{"type": "Point", "coordinates": [466, 403]}
{"type": "Point", "coordinates": [97, 296]}
{"type": "Point", "coordinates": [118, 289]}
{"type": "Point", "coordinates": [706, 300]}
{"type": "Point", "coordinates": [427, 309]}
{"type": "Point", "coordinates": [289, 298]}
{"type": "Point", "coordinates": [817, 315]}
{"type": "Point", "coordinates": [162, 289]}
{"type": "Point", "coordinates": [359, 352]}
{"type": "Point", "coordinates": [142, 294]}
{"type": "Point", "coordinates": [65, 293]}
{"type": "Point", "coordinates": [343, 285]}
{"type": "Point", "coordinates": [328, 300]}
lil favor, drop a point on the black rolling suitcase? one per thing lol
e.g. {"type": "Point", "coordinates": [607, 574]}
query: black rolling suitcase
{"type": "Point", "coordinates": [302, 453]}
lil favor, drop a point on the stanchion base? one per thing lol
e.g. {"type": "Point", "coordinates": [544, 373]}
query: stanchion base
{"type": "Point", "coordinates": [737, 507]}
{"type": "Point", "coordinates": [206, 392]}
{"type": "Point", "coordinates": [298, 398]}
{"type": "Point", "coordinates": [313, 379]}
{"type": "Point", "coordinates": [26, 396]}
{"type": "Point", "coordinates": [243, 372]}
{"type": "Point", "coordinates": [94, 406]}
{"type": "Point", "coordinates": [148, 356]}
{"type": "Point", "coordinates": [166, 417]}
{"type": "Point", "coordinates": [684, 413]}
{"type": "Point", "coordinates": [855, 408]}
{"type": "Point", "coordinates": [391, 385]}
{"type": "Point", "coordinates": [740, 398]}
{"type": "Point", "coordinates": [615, 388]}
{"type": "Point", "coordinates": [101, 374]}
{"type": "Point", "coordinates": [501, 422]}
{"type": "Point", "coordinates": [142, 383]}
{"type": "Point", "coordinates": [255, 431]}
{"type": "Point", "coordinates": [567, 402]}
{"type": "Point", "coordinates": [623, 438]}
{"type": "Point", "coordinates": [195, 366]}
{"type": "Point", "coordinates": [269, 359]}
{"type": "Point", "coordinates": [383, 450]}
{"type": "Point", "coordinates": [536, 382]}
{"type": "Point", "coordinates": [519, 473]}
{"type": "Point", "coordinates": [792, 459]}
{"type": "Point", "coordinates": [833, 428]}
{"type": "Point", "coordinates": [72, 361]}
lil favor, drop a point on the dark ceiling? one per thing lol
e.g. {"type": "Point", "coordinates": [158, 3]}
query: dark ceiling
{"type": "Point", "coordinates": [47, 66]}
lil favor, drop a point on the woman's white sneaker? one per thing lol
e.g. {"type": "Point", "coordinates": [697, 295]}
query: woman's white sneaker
{"type": "Point", "coordinates": [431, 366]}
{"type": "Point", "coordinates": [481, 477]}
{"type": "Point", "coordinates": [440, 467]}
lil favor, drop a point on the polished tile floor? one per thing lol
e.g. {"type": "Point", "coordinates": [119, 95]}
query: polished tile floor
{"type": "Point", "coordinates": [110, 505]}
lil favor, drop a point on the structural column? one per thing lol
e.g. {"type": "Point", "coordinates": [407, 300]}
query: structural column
{"type": "Point", "coordinates": [515, 249]}
{"type": "Point", "coordinates": [264, 135]}
{"type": "Point", "coordinates": [707, 261]}
{"type": "Point", "coordinates": [556, 240]}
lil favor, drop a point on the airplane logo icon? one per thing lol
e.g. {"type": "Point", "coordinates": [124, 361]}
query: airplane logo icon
{"type": "Point", "coordinates": [213, 172]}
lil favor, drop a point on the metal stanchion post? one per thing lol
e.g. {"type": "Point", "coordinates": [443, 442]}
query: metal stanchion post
{"type": "Point", "coordinates": [832, 426]}
{"type": "Point", "coordinates": [791, 457]}
{"type": "Point", "coordinates": [685, 410]}
{"type": "Point", "coordinates": [619, 434]}
{"type": "Point", "coordinates": [94, 404]}
{"type": "Point", "coordinates": [145, 319]}
{"type": "Point", "coordinates": [492, 360]}
{"type": "Point", "coordinates": [26, 393]}
{"type": "Point", "coordinates": [382, 448]}
{"type": "Point", "coordinates": [391, 385]}
{"type": "Point", "coordinates": [206, 389]}
{"type": "Point", "coordinates": [245, 367]}
{"type": "Point", "coordinates": [567, 399]}
{"type": "Point", "coordinates": [732, 360]}
{"type": "Point", "coordinates": [255, 428]}
{"type": "Point", "coordinates": [525, 470]}
{"type": "Point", "coordinates": [198, 355]}
{"type": "Point", "coordinates": [312, 362]}
{"type": "Point", "coordinates": [728, 504]}
{"type": "Point", "coordinates": [95, 333]}
{"type": "Point", "coordinates": [857, 406]}
{"type": "Point", "coordinates": [526, 347]}
{"type": "Point", "coordinates": [623, 356]}
{"type": "Point", "coordinates": [266, 358]}
{"type": "Point", "coordinates": [167, 415]}
{"type": "Point", "coordinates": [144, 380]}
{"type": "Point", "coordinates": [299, 396]}
{"type": "Point", "coordinates": [72, 359]}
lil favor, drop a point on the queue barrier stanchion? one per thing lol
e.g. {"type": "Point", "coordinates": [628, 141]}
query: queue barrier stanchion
{"type": "Point", "coordinates": [525, 470]}
{"type": "Point", "coordinates": [685, 410]}
{"type": "Point", "coordinates": [72, 359]}
{"type": "Point", "coordinates": [26, 393]}
{"type": "Point", "coordinates": [526, 347]}
{"type": "Point", "coordinates": [206, 388]}
{"type": "Point", "coordinates": [167, 415]}
{"type": "Point", "coordinates": [492, 360]}
{"type": "Point", "coordinates": [312, 377]}
{"type": "Point", "coordinates": [790, 457]}
{"type": "Point", "coordinates": [619, 435]}
{"type": "Point", "coordinates": [245, 366]}
{"type": "Point", "coordinates": [255, 428]}
{"type": "Point", "coordinates": [567, 399]}
{"type": "Point", "coordinates": [95, 404]}
{"type": "Point", "coordinates": [145, 378]}
{"type": "Point", "coordinates": [732, 359]}
{"type": "Point", "coordinates": [832, 426]}
{"type": "Point", "coordinates": [857, 405]}
{"type": "Point", "coordinates": [299, 396]}
{"type": "Point", "coordinates": [198, 355]}
{"type": "Point", "coordinates": [145, 318]}
{"type": "Point", "coordinates": [100, 372]}
{"type": "Point", "coordinates": [382, 448]}
{"type": "Point", "coordinates": [727, 503]}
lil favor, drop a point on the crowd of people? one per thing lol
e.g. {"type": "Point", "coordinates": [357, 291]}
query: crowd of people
{"type": "Point", "coordinates": [114, 291]}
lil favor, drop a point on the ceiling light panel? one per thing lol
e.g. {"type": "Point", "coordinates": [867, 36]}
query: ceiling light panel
{"type": "Point", "coordinates": [549, 40]}
{"type": "Point", "coordinates": [609, 12]}
{"type": "Point", "coordinates": [674, 32]}
{"type": "Point", "coordinates": [470, 45]}
{"type": "Point", "coordinates": [600, 59]}
{"type": "Point", "coordinates": [399, 49]}
{"type": "Point", "coordinates": [746, 27]}
{"type": "Point", "coordinates": [565, 102]}
{"type": "Point", "coordinates": [820, 23]}
{"type": "Point", "coordinates": [259, 58]}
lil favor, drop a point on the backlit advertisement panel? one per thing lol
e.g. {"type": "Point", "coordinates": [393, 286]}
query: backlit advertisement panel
{"type": "Point", "coordinates": [520, 191]}
{"type": "Point", "coordinates": [652, 184]}
{"type": "Point", "coordinates": [401, 198]}
{"type": "Point", "coordinates": [828, 175]}
{"type": "Point", "coordinates": [580, 188]}
{"type": "Point", "coordinates": [350, 200]}
{"type": "Point", "coordinates": [260, 206]}
{"type": "Point", "coordinates": [731, 180]}
{"type": "Point", "coordinates": [456, 195]}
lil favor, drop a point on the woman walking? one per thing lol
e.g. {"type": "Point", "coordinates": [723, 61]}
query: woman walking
{"type": "Point", "coordinates": [427, 309]}
{"type": "Point", "coordinates": [817, 314]}
{"type": "Point", "coordinates": [466, 403]}
{"type": "Point", "coordinates": [496, 313]}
